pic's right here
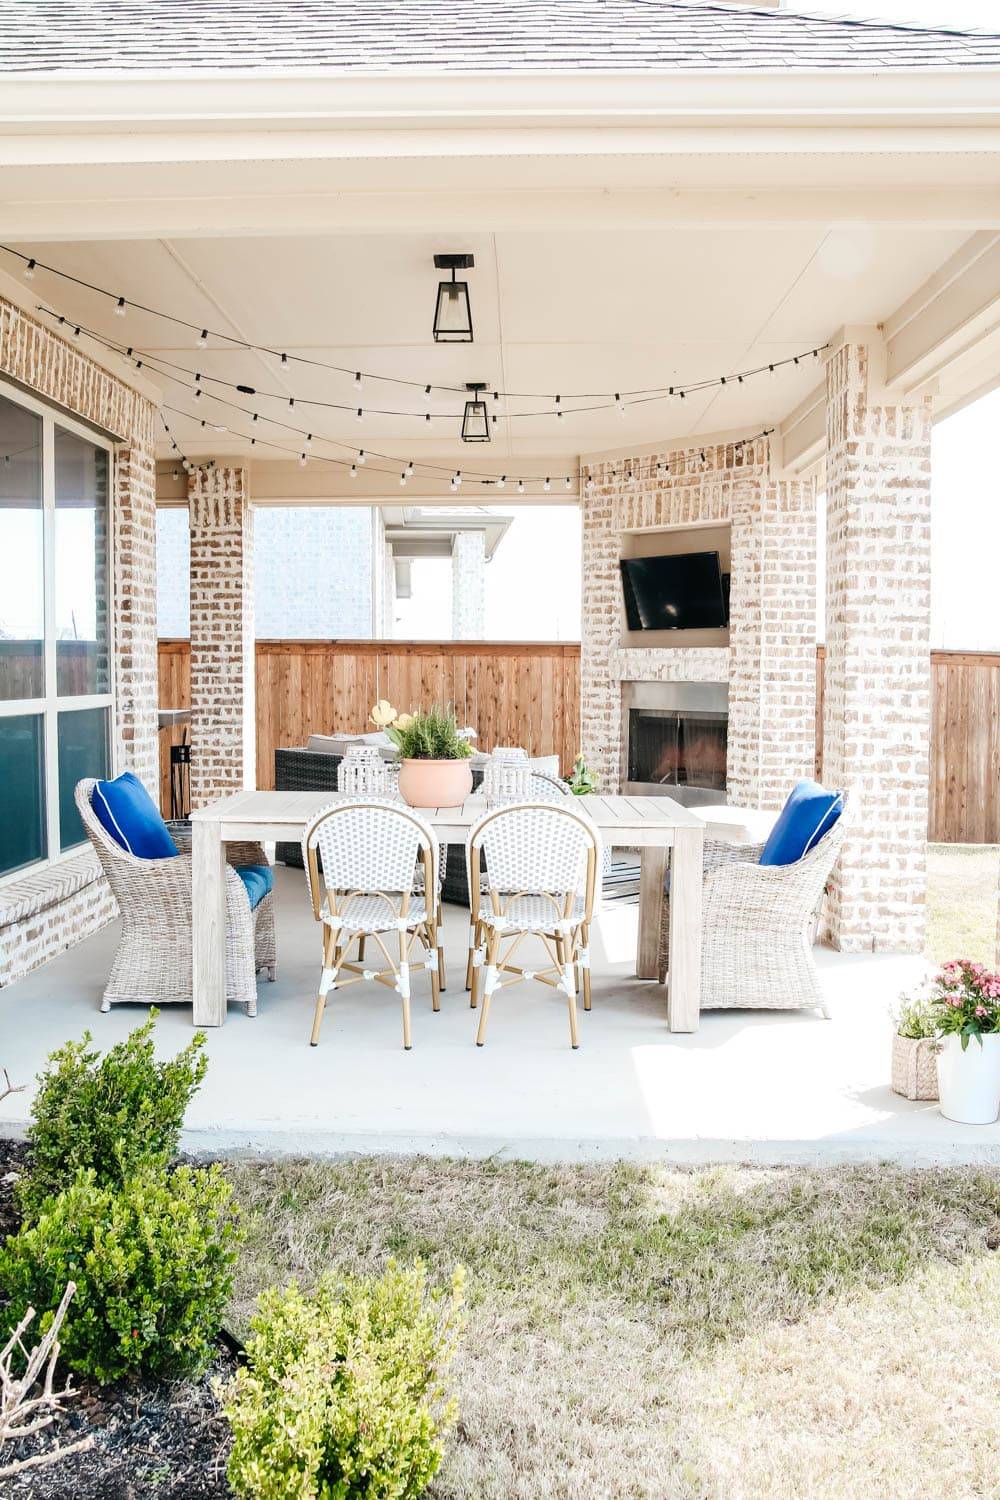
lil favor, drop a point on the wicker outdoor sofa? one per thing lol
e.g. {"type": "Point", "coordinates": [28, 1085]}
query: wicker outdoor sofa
{"type": "Point", "coordinates": [153, 963]}
{"type": "Point", "coordinates": [758, 924]}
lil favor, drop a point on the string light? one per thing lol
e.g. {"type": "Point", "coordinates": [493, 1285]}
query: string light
{"type": "Point", "coordinates": [652, 393]}
{"type": "Point", "coordinates": [120, 307]}
{"type": "Point", "coordinates": [547, 485]}
{"type": "Point", "coordinates": [354, 471]}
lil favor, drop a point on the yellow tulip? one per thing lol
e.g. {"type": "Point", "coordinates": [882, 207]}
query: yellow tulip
{"type": "Point", "coordinates": [403, 721]}
{"type": "Point", "coordinates": [383, 714]}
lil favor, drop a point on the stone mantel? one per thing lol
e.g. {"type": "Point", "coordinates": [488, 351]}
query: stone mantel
{"type": "Point", "coordinates": [669, 664]}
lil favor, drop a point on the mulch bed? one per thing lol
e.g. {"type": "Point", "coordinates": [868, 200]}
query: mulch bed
{"type": "Point", "coordinates": [151, 1439]}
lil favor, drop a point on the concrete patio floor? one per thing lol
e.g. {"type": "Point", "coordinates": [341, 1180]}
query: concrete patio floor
{"type": "Point", "coordinates": [756, 1086]}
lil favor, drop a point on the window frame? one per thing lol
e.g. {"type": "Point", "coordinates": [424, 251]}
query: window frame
{"type": "Point", "coordinates": [49, 705]}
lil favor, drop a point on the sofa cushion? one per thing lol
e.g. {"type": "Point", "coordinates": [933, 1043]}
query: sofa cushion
{"type": "Point", "coordinates": [808, 814]}
{"type": "Point", "coordinates": [128, 813]}
{"type": "Point", "coordinates": [258, 879]}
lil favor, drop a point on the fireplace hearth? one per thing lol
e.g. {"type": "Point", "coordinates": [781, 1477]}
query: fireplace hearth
{"type": "Point", "coordinates": [675, 740]}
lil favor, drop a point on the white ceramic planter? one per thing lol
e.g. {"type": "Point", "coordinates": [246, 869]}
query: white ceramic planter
{"type": "Point", "coordinates": [969, 1081]}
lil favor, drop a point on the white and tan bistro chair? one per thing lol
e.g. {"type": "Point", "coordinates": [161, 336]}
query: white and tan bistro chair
{"type": "Point", "coordinates": [542, 860]}
{"type": "Point", "coordinates": [369, 850]}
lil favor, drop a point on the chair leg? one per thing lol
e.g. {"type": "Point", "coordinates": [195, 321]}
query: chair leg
{"type": "Point", "coordinates": [569, 980]}
{"type": "Point", "coordinates": [469, 966]}
{"type": "Point", "coordinates": [585, 962]}
{"type": "Point", "coordinates": [361, 949]}
{"type": "Point", "coordinates": [438, 931]}
{"type": "Point", "coordinates": [333, 956]}
{"type": "Point", "coordinates": [434, 954]}
{"type": "Point", "coordinates": [404, 989]}
{"type": "Point", "coordinates": [492, 944]}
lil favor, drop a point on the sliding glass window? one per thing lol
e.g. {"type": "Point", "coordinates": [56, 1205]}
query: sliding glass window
{"type": "Point", "coordinates": [55, 651]}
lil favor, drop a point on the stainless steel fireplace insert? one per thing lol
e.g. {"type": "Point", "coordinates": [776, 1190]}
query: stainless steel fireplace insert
{"type": "Point", "coordinates": [675, 740]}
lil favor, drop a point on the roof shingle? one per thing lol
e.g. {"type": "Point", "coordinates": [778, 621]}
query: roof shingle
{"type": "Point", "coordinates": [357, 36]}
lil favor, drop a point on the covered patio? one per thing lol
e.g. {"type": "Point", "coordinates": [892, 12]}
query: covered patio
{"type": "Point", "coordinates": [702, 297]}
{"type": "Point", "coordinates": [769, 1088]}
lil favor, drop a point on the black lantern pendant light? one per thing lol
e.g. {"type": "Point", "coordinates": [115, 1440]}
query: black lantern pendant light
{"type": "Point", "coordinates": [452, 312]}
{"type": "Point", "coordinates": [476, 419]}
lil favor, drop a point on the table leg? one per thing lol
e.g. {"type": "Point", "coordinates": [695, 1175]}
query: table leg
{"type": "Point", "coordinates": [652, 872]}
{"type": "Point", "coordinates": [208, 912]}
{"type": "Point", "coordinates": [684, 978]}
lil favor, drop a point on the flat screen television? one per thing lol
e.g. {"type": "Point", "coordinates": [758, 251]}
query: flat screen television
{"type": "Point", "coordinates": [686, 591]}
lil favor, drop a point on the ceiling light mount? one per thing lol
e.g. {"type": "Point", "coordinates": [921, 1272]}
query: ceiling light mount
{"type": "Point", "coordinates": [452, 311]}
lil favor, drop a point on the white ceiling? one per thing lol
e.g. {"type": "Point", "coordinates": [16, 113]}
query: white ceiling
{"type": "Point", "coordinates": [569, 311]}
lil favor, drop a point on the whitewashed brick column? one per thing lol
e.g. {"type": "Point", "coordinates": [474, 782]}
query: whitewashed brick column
{"type": "Point", "coordinates": [468, 586]}
{"type": "Point", "coordinates": [877, 685]}
{"type": "Point", "coordinates": [136, 671]}
{"type": "Point", "coordinates": [771, 661]}
{"type": "Point", "coordinates": [223, 731]}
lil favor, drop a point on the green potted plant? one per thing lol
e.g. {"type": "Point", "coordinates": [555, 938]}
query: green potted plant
{"type": "Point", "coordinates": [915, 1048]}
{"type": "Point", "coordinates": [581, 780]}
{"type": "Point", "coordinates": [966, 1005]}
{"type": "Point", "coordinates": [434, 753]}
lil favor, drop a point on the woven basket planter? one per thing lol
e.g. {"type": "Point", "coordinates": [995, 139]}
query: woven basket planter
{"type": "Point", "coordinates": [914, 1067]}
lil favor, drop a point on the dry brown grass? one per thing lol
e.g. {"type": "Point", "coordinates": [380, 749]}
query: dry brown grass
{"type": "Point", "coordinates": [730, 1333]}
{"type": "Point", "coordinates": [962, 901]}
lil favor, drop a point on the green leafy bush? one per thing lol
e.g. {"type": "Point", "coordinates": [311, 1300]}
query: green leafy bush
{"type": "Point", "coordinates": [343, 1396]}
{"type": "Point", "coordinates": [152, 1262]}
{"type": "Point", "coordinates": [115, 1114]}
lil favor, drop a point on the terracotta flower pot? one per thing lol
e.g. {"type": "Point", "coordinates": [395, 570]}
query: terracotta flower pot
{"type": "Point", "coordinates": [435, 783]}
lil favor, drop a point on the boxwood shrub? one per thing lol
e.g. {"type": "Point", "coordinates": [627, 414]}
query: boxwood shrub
{"type": "Point", "coordinates": [152, 1260]}
{"type": "Point", "coordinates": [115, 1114]}
{"type": "Point", "coordinates": [343, 1394]}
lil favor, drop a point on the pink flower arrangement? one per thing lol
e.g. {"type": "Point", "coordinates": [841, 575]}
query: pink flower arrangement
{"type": "Point", "coordinates": [965, 1000]}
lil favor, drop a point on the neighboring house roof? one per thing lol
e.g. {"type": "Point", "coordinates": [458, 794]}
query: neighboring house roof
{"type": "Point", "coordinates": [119, 36]}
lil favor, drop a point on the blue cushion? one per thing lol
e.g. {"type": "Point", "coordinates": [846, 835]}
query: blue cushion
{"type": "Point", "coordinates": [809, 813]}
{"type": "Point", "coordinates": [258, 879]}
{"type": "Point", "coordinates": [130, 816]}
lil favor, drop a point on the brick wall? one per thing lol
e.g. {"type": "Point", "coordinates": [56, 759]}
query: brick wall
{"type": "Point", "coordinates": [468, 586]}
{"type": "Point", "coordinates": [57, 370]}
{"type": "Point", "coordinates": [770, 662]}
{"type": "Point", "coordinates": [222, 634]}
{"type": "Point", "coordinates": [877, 687]}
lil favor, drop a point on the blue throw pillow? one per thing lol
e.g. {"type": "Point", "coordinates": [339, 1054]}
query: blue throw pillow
{"type": "Point", "coordinates": [809, 813]}
{"type": "Point", "coordinates": [258, 879]}
{"type": "Point", "coordinates": [129, 814]}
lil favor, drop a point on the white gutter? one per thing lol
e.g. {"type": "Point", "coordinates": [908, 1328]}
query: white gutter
{"type": "Point", "coordinates": [116, 101]}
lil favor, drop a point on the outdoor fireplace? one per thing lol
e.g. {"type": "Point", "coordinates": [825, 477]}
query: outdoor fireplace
{"type": "Point", "coordinates": [675, 740]}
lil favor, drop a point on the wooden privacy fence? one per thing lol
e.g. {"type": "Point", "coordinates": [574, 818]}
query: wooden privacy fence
{"type": "Point", "coordinates": [517, 693]}
{"type": "Point", "coordinates": [529, 694]}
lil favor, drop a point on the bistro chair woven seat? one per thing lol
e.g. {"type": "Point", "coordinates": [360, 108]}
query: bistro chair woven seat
{"type": "Point", "coordinates": [361, 859]}
{"type": "Point", "coordinates": [153, 963]}
{"type": "Point", "coordinates": [541, 861]}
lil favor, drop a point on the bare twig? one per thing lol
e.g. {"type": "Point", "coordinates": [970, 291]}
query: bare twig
{"type": "Point", "coordinates": [22, 1412]}
{"type": "Point", "coordinates": [10, 1088]}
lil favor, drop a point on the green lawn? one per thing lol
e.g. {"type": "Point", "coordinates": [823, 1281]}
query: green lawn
{"type": "Point", "coordinates": [962, 901]}
{"type": "Point", "coordinates": [721, 1333]}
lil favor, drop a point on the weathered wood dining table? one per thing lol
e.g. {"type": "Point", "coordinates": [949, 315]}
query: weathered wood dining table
{"type": "Point", "coordinates": [656, 826]}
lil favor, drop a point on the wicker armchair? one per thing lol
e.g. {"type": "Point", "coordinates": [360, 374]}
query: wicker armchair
{"type": "Point", "coordinates": [758, 921]}
{"type": "Point", "coordinates": [153, 963]}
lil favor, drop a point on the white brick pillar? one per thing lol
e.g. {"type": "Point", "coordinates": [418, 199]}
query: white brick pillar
{"type": "Point", "coordinates": [468, 586]}
{"type": "Point", "coordinates": [772, 683]}
{"type": "Point", "coordinates": [876, 721]}
{"type": "Point", "coordinates": [223, 729]}
{"type": "Point", "coordinates": [134, 609]}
